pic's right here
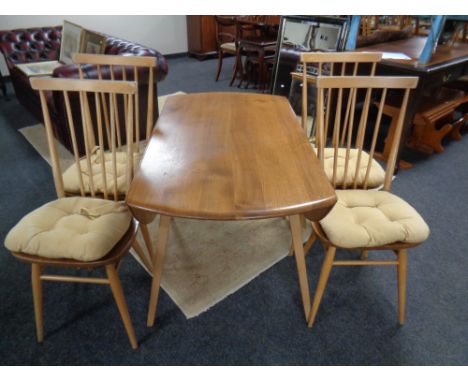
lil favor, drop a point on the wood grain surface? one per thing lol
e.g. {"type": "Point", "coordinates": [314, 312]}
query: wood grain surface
{"type": "Point", "coordinates": [229, 156]}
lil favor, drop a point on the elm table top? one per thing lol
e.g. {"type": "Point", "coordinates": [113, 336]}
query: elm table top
{"type": "Point", "coordinates": [229, 156]}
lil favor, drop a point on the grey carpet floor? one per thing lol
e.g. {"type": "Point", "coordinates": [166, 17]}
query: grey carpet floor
{"type": "Point", "coordinates": [263, 323]}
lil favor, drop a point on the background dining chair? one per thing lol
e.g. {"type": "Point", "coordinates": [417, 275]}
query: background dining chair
{"type": "Point", "coordinates": [225, 40]}
{"type": "Point", "coordinates": [246, 27]}
{"type": "Point", "coordinates": [94, 229]}
{"type": "Point", "coordinates": [363, 219]}
{"type": "Point", "coordinates": [115, 67]}
{"type": "Point", "coordinates": [126, 68]}
{"type": "Point", "coordinates": [341, 64]}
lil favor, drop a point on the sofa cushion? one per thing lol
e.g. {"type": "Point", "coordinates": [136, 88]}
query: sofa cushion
{"type": "Point", "coordinates": [366, 218]}
{"type": "Point", "coordinates": [83, 229]}
{"type": "Point", "coordinates": [376, 174]}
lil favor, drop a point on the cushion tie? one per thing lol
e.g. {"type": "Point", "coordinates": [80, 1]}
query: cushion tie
{"type": "Point", "coordinates": [94, 213]}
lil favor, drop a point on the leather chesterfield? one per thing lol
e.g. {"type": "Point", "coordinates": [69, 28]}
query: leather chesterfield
{"type": "Point", "coordinates": [43, 44]}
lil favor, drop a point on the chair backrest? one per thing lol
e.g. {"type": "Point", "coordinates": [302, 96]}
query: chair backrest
{"type": "Point", "coordinates": [131, 68]}
{"type": "Point", "coordinates": [334, 64]}
{"type": "Point", "coordinates": [225, 29]}
{"type": "Point", "coordinates": [98, 165]}
{"type": "Point", "coordinates": [340, 115]}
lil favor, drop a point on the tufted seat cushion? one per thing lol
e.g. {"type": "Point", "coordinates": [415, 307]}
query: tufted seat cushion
{"type": "Point", "coordinates": [376, 174]}
{"type": "Point", "coordinates": [229, 46]}
{"type": "Point", "coordinates": [364, 218]}
{"type": "Point", "coordinates": [71, 181]}
{"type": "Point", "coordinates": [83, 229]}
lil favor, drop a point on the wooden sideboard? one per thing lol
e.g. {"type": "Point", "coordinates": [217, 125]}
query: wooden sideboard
{"type": "Point", "coordinates": [201, 36]}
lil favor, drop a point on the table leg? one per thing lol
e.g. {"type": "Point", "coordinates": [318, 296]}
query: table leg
{"type": "Point", "coordinates": [296, 231]}
{"type": "Point", "coordinates": [158, 265]}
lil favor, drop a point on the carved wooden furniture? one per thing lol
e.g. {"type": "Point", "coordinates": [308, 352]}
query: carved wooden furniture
{"type": "Point", "coordinates": [94, 229]}
{"type": "Point", "coordinates": [201, 164]}
{"type": "Point", "coordinates": [201, 33]}
{"type": "Point", "coordinates": [446, 65]}
{"type": "Point", "coordinates": [257, 50]}
{"type": "Point", "coordinates": [225, 40]}
{"type": "Point", "coordinates": [364, 219]}
{"type": "Point", "coordinates": [255, 38]}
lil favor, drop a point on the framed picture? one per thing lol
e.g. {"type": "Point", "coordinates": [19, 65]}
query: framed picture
{"type": "Point", "coordinates": [92, 42]}
{"type": "Point", "coordinates": [71, 39]}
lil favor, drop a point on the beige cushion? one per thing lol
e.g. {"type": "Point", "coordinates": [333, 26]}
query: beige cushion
{"type": "Point", "coordinates": [71, 181]}
{"type": "Point", "coordinates": [364, 218]}
{"type": "Point", "coordinates": [230, 46]}
{"type": "Point", "coordinates": [83, 229]}
{"type": "Point", "coordinates": [376, 174]}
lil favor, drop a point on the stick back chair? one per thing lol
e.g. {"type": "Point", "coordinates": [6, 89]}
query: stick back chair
{"type": "Point", "coordinates": [82, 231]}
{"type": "Point", "coordinates": [126, 68]}
{"type": "Point", "coordinates": [364, 219]}
{"type": "Point", "coordinates": [341, 64]}
{"type": "Point", "coordinates": [115, 67]}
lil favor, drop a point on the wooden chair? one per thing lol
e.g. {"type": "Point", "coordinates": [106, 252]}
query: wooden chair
{"type": "Point", "coordinates": [115, 67]}
{"type": "Point", "coordinates": [341, 64]}
{"type": "Point", "coordinates": [132, 68]}
{"type": "Point", "coordinates": [225, 41]}
{"type": "Point", "coordinates": [95, 229]}
{"type": "Point", "coordinates": [246, 27]}
{"type": "Point", "coordinates": [364, 219]}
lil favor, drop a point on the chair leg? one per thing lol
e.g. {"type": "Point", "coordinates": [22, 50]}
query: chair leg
{"type": "Point", "coordinates": [295, 222]}
{"type": "Point", "coordinates": [401, 274]}
{"type": "Point", "coordinates": [141, 255]}
{"type": "Point", "coordinates": [119, 297]}
{"type": "Point", "coordinates": [220, 64]}
{"type": "Point", "coordinates": [322, 283]}
{"type": "Point", "coordinates": [237, 65]}
{"type": "Point", "coordinates": [309, 243]}
{"type": "Point", "coordinates": [37, 298]}
{"type": "Point", "coordinates": [158, 265]}
{"type": "Point", "coordinates": [364, 254]}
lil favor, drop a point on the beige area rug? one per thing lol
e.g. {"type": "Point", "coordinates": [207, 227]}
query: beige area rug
{"type": "Point", "coordinates": [206, 260]}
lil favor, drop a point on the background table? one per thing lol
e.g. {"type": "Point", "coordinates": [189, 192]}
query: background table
{"type": "Point", "coordinates": [446, 65]}
{"type": "Point", "coordinates": [229, 156]}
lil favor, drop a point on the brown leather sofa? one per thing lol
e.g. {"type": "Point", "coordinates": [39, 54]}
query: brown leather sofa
{"type": "Point", "coordinates": [43, 44]}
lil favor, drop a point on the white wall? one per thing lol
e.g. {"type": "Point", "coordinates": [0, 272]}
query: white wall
{"type": "Point", "coordinates": [167, 34]}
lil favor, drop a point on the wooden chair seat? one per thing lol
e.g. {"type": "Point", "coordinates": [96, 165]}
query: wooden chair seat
{"type": "Point", "coordinates": [369, 219]}
{"type": "Point", "coordinates": [82, 229]}
{"type": "Point", "coordinates": [229, 47]}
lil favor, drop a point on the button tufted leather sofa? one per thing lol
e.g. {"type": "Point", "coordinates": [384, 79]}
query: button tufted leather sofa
{"type": "Point", "coordinates": [43, 44]}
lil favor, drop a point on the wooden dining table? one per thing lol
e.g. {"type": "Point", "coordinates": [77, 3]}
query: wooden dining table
{"type": "Point", "coordinates": [229, 156]}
